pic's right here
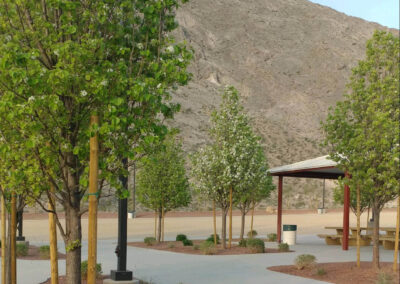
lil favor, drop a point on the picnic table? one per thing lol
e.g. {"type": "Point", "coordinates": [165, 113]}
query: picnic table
{"type": "Point", "coordinates": [387, 240]}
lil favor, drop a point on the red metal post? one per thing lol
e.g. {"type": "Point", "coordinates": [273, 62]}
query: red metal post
{"type": "Point", "coordinates": [279, 213]}
{"type": "Point", "coordinates": [346, 216]}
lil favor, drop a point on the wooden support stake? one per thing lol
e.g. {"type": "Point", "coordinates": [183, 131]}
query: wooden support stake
{"type": "Point", "coordinates": [93, 195]}
{"type": "Point", "coordinates": [3, 239]}
{"type": "Point", "coordinates": [162, 223]}
{"type": "Point", "coordinates": [53, 239]}
{"type": "Point", "coordinates": [252, 218]}
{"type": "Point", "coordinates": [358, 225]}
{"type": "Point", "coordinates": [155, 224]}
{"type": "Point", "coordinates": [215, 223]}
{"type": "Point", "coordinates": [13, 239]}
{"type": "Point", "coordinates": [230, 217]}
{"type": "Point", "coordinates": [396, 243]}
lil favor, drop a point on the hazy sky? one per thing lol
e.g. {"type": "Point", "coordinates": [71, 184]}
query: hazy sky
{"type": "Point", "coordinates": [384, 12]}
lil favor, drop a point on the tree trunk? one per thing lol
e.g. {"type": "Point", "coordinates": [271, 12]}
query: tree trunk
{"type": "Point", "coordinates": [155, 224]}
{"type": "Point", "coordinates": [242, 225]}
{"type": "Point", "coordinates": [215, 223]}
{"type": "Point", "coordinates": [375, 237]}
{"type": "Point", "coordinates": [223, 231]}
{"type": "Point", "coordinates": [159, 226]}
{"type": "Point", "coordinates": [73, 232]}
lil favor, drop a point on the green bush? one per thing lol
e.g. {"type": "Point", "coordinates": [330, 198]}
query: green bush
{"type": "Point", "coordinates": [321, 272]}
{"type": "Point", "coordinates": [283, 247]}
{"type": "Point", "coordinates": [271, 237]}
{"type": "Point", "coordinates": [22, 250]}
{"type": "Point", "coordinates": [149, 241]}
{"type": "Point", "coordinates": [181, 238]}
{"type": "Point", "coordinates": [84, 269]}
{"type": "Point", "coordinates": [44, 252]}
{"type": "Point", "coordinates": [304, 261]}
{"type": "Point", "coordinates": [254, 234]}
{"type": "Point", "coordinates": [187, 243]}
{"type": "Point", "coordinates": [243, 243]}
{"type": "Point", "coordinates": [256, 245]}
{"type": "Point", "coordinates": [208, 248]}
{"type": "Point", "coordinates": [384, 278]}
{"type": "Point", "coordinates": [211, 238]}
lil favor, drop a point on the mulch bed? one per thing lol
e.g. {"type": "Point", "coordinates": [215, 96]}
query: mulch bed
{"type": "Point", "coordinates": [63, 280]}
{"type": "Point", "coordinates": [342, 272]}
{"type": "Point", "coordinates": [180, 248]}
{"type": "Point", "coordinates": [34, 254]}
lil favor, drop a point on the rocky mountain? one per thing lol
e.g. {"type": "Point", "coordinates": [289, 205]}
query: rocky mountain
{"type": "Point", "coordinates": [290, 60]}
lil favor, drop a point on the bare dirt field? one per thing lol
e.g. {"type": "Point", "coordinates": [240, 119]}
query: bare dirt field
{"type": "Point", "coordinates": [308, 223]}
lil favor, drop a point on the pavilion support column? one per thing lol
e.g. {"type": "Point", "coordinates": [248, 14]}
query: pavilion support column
{"type": "Point", "coordinates": [279, 213]}
{"type": "Point", "coordinates": [346, 216]}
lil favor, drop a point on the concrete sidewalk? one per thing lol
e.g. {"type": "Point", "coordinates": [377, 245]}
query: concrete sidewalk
{"type": "Point", "coordinates": [161, 267]}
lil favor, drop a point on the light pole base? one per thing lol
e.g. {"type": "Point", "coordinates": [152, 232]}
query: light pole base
{"type": "Point", "coordinates": [121, 275]}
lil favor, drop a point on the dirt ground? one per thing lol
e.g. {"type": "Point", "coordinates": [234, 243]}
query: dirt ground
{"type": "Point", "coordinates": [180, 248]}
{"type": "Point", "coordinates": [36, 229]}
{"type": "Point", "coordinates": [343, 272]}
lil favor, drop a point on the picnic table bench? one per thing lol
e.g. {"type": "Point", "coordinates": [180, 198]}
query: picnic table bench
{"type": "Point", "coordinates": [388, 240]}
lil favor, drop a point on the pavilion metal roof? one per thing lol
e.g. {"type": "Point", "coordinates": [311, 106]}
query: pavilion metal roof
{"type": "Point", "coordinates": [321, 167]}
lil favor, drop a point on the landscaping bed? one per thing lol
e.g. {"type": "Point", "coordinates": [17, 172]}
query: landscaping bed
{"type": "Point", "coordinates": [343, 272]}
{"type": "Point", "coordinates": [177, 246]}
{"type": "Point", "coordinates": [33, 253]}
{"type": "Point", "coordinates": [99, 280]}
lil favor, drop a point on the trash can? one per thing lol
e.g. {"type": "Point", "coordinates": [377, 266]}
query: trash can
{"type": "Point", "coordinates": [289, 234]}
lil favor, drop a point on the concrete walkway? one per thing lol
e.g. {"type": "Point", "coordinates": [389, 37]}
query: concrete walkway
{"type": "Point", "coordinates": [160, 267]}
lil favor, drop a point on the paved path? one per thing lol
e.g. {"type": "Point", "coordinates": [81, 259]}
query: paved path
{"type": "Point", "coordinates": [160, 267]}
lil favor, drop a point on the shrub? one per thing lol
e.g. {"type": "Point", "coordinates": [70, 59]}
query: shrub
{"type": "Point", "coordinates": [84, 269]}
{"type": "Point", "coordinates": [304, 261]}
{"type": "Point", "coordinates": [256, 245]}
{"type": "Point", "coordinates": [149, 241]}
{"type": "Point", "coordinates": [208, 248]}
{"type": "Point", "coordinates": [271, 237]}
{"type": "Point", "coordinates": [211, 238]}
{"type": "Point", "coordinates": [181, 238]}
{"type": "Point", "coordinates": [384, 278]}
{"type": "Point", "coordinates": [243, 243]}
{"type": "Point", "coordinates": [187, 242]}
{"type": "Point", "coordinates": [249, 235]}
{"type": "Point", "coordinates": [44, 252]}
{"type": "Point", "coordinates": [22, 249]}
{"type": "Point", "coordinates": [283, 247]}
{"type": "Point", "coordinates": [321, 272]}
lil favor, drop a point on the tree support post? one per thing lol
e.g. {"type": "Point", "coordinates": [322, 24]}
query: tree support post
{"type": "Point", "coordinates": [346, 216]}
{"type": "Point", "coordinates": [230, 217]}
{"type": "Point", "coordinates": [53, 238]}
{"type": "Point", "coordinates": [279, 213]}
{"type": "Point", "coordinates": [13, 238]}
{"type": "Point", "coordinates": [121, 274]}
{"type": "Point", "coordinates": [3, 239]}
{"type": "Point", "coordinates": [215, 223]}
{"type": "Point", "coordinates": [93, 194]}
{"type": "Point", "coordinates": [396, 243]}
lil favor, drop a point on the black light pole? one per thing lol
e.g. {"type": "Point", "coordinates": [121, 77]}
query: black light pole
{"type": "Point", "coordinates": [121, 274]}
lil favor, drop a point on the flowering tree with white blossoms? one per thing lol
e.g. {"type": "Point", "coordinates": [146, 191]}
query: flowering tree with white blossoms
{"type": "Point", "coordinates": [229, 165]}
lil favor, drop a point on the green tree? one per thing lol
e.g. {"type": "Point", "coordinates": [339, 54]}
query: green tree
{"type": "Point", "coordinates": [233, 161]}
{"type": "Point", "coordinates": [362, 132]}
{"type": "Point", "coordinates": [365, 198]}
{"type": "Point", "coordinates": [60, 62]}
{"type": "Point", "coordinates": [256, 184]}
{"type": "Point", "coordinates": [162, 184]}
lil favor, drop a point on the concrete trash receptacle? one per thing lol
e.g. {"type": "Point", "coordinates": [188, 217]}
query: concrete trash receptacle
{"type": "Point", "coordinates": [289, 234]}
